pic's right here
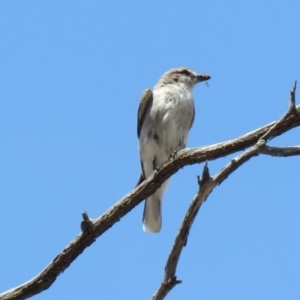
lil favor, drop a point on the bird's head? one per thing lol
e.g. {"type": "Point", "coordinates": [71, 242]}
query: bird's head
{"type": "Point", "coordinates": [182, 75]}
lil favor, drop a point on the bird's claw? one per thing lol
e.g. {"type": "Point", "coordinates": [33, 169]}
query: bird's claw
{"type": "Point", "coordinates": [155, 172]}
{"type": "Point", "coordinates": [173, 155]}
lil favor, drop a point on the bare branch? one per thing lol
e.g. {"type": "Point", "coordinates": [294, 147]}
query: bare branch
{"type": "Point", "coordinates": [207, 184]}
{"type": "Point", "coordinates": [280, 151]}
{"type": "Point", "coordinates": [86, 224]}
{"type": "Point", "coordinates": [170, 280]}
{"type": "Point", "coordinates": [293, 97]}
{"type": "Point", "coordinates": [291, 110]}
{"type": "Point", "coordinates": [97, 227]}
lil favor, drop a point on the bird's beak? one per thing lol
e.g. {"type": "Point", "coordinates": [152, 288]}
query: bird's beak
{"type": "Point", "coordinates": [202, 77]}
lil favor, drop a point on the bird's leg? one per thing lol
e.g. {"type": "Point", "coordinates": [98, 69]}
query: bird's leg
{"type": "Point", "coordinates": [155, 168]}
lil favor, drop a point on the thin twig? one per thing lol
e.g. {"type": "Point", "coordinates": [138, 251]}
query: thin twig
{"type": "Point", "coordinates": [86, 224]}
{"type": "Point", "coordinates": [291, 111]}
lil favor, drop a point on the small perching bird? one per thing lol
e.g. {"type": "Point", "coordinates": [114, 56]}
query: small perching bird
{"type": "Point", "coordinates": [165, 117]}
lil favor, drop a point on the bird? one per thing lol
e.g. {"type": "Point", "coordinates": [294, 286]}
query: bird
{"type": "Point", "coordinates": [165, 116]}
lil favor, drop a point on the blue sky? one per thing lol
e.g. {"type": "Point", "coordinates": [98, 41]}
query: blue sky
{"type": "Point", "coordinates": [71, 77]}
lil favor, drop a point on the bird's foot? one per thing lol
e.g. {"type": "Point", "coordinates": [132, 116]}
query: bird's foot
{"type": "Point", "coordinates": [155, 172]}
{"type": "Point", "coordinates": [155, 168]}
{"type": "Point", "coordinates": [173, 155]}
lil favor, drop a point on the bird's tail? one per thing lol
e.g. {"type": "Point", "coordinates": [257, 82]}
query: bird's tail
{"type": "Point", "coordinates": [152, 214]}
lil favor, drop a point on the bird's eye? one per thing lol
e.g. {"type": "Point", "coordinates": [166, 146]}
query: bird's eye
{"type": "Point", "coordinates": [185, 72]}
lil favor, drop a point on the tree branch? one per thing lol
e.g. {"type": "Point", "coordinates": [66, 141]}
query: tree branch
{"type": "Point", "coordinates": [170, 279]}
{"type": "Point", "coordinates": [92, 229]}
{"type": "Point", "coordinates": [207, 185]}
{"type": "Point", "coordinates": [280, 151]}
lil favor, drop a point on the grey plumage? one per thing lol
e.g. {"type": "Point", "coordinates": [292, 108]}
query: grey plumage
{"type": "Point", "coordinates": [165, 117]}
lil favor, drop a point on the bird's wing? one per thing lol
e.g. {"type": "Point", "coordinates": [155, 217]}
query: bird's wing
{"type": "Point", "coordinates": [142, 178]}
{"type": "Point", "coordinates": [145, 104]}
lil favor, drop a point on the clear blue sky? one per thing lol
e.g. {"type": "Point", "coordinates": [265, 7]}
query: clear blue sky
{"type": "Point", "coordinates": [71, 77]}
